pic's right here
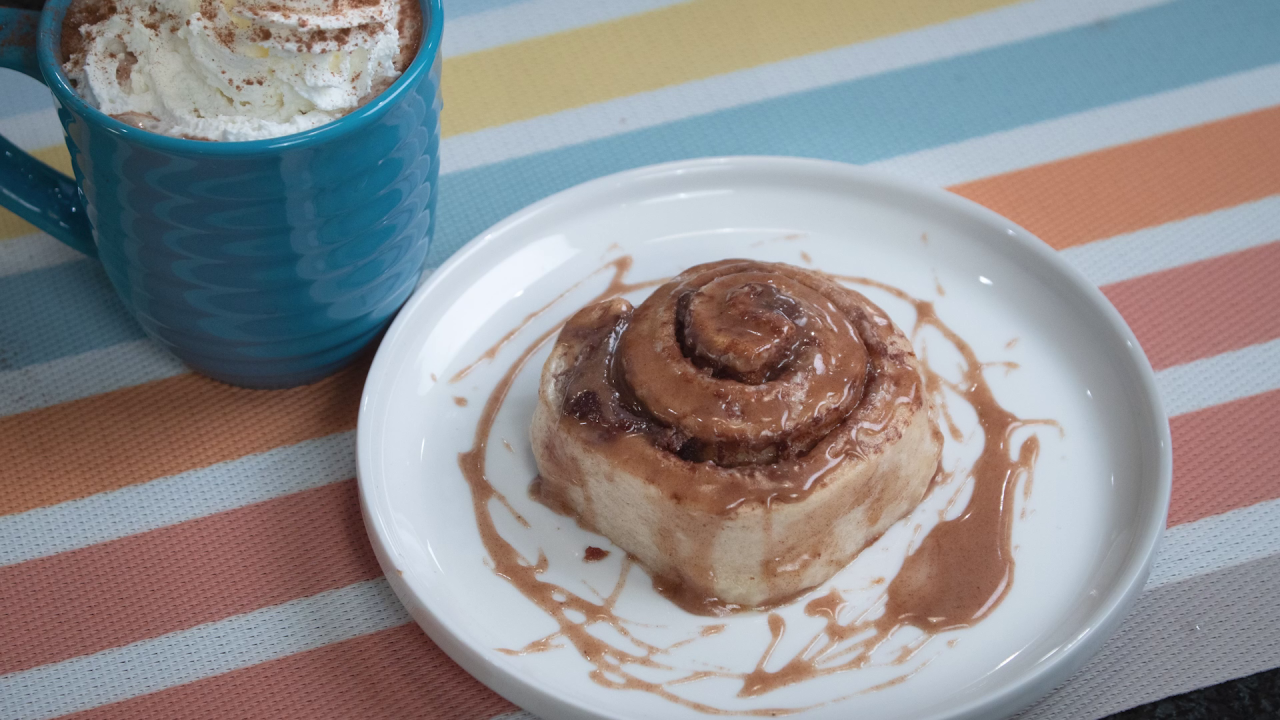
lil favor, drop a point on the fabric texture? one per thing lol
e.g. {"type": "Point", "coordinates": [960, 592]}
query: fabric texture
{"type": "Point", "coordinates": [171, 547]}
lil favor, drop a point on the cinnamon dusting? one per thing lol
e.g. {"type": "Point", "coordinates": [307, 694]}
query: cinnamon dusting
{"type": "Point", "coordinates": [240, 28]}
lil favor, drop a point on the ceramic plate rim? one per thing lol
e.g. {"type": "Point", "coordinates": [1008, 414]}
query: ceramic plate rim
{"type": "Point", "coordinates": [1018, 694]}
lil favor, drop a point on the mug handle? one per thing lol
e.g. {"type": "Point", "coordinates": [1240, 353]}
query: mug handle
{"type": "Point", "coordinates": [30, 189]}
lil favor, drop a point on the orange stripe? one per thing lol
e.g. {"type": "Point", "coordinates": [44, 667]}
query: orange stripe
{"type": "Point", "coordinates": [1205, 308]}
{"type": "Point", "coordinates": [1141, 184]}
{"type": "Point", "coordinates": [136, 434]}
{"type": "Point", "coordinates": [183, 575]}
{"type": "Point", "coordinates": [388, 675]}
{"type": "Point", "coordinates": [161, 428]}
{"type": "Point", "coordinates": [398, 673]}
{"type": "Point", "coordinates": [1225, 457]}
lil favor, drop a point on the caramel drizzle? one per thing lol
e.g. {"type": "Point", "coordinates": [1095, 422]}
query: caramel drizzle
{"type": "Point", "coordinates": [964, 567]}
{"type": "Point", "coordinates": [962, 570]}
{"type": "Point", "coordinates": [610, 661]}
{"type": "Point", "coordinates": [616, 287]}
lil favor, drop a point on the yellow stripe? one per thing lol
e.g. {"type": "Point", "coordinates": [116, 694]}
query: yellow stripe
{"type": "Point", "coordinates": [643, 52]}
{"type": "Point", "coordinates": [55, 156]}
{"type": "Point", "coordinates": [665, 47]}
{"type": "Point", "coordinates": [12, 226]}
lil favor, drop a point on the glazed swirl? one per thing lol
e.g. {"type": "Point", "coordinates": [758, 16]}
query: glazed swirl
{"type": "Point", "coordinates": [751, 362]}
{"type": "Point", "coordinates": [739, 363]}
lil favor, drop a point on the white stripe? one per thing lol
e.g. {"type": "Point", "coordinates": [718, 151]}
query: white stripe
{"type": "Point", "coordinates": [1217, 542]}
{"type": "Point", "coordinates": [200, 652]}
{"type": "Point", "coordinates": [936, 42]}
{"type": "Point", "coordinates": [1091, 130]}
{"type": "Point", "coordinates": [513, 23]}
{"type": "Point", "coordinates": [1221, 378]}
{"type": "Point", "coordinates": [946, 165]}
{"type": "Point", "coordinates": [167, 501]}
{"type": "Point", "coordinates": [32, 252]}
{"type": "Point", "coordinates": [89, 373]}
{"type": "Point", "coordinates": [32, 130]}
{"type": "Point", "coordinates": [1178, 637]}
{"type": "Point", "coordinates": [1105, 261]}
{"type": "Point", "coordinates": [282, 471]}
{"type": "Point", "coordinates": [1190, 550]}
{"type": "Point", "coordinates": [950, 164]}
{"type": "Point", "coordinates": [1180, 242]}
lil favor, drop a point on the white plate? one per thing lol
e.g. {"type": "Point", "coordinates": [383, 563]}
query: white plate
{"type": "Point", "coordinates": [1084, 538]}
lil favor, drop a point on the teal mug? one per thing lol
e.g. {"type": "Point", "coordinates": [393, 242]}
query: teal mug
{"type": "Point", "coordinates": [265, 264]}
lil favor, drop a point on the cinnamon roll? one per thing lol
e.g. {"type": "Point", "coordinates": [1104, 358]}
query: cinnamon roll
{"type": "Point", "coordinates": [744, 432]}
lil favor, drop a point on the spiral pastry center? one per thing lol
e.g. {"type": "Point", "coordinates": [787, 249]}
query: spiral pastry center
{"type": "Point", "coordinates": [745, 331]}
{"type": "Point", "coordinates": [746, 363]}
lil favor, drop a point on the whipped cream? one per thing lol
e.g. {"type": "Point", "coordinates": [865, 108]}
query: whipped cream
{"type": "Point", "coordinates": [233, 70]}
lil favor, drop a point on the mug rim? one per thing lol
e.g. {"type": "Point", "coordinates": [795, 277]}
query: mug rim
{"type": "Point", "coordinates": [49, 38]}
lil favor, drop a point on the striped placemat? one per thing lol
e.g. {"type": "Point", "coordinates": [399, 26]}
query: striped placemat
{"type": "Point", "coordinates": [175, 548]}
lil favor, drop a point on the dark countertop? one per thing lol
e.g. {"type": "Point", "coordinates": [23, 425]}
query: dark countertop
{"type": "Point", "coordinates": [1255, 696]}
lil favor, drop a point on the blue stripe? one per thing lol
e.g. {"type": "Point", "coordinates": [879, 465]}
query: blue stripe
{"type": "Point", "coordinates": [859, 121]}
{"type": "Point", "coordinates": [463, 8]}
{"type": "Point", "coordinates": [904, 111]}
{"type": "Point", "coordinates": [22, 94]}
{"type": "Point", "coordinates": [59, 311]}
